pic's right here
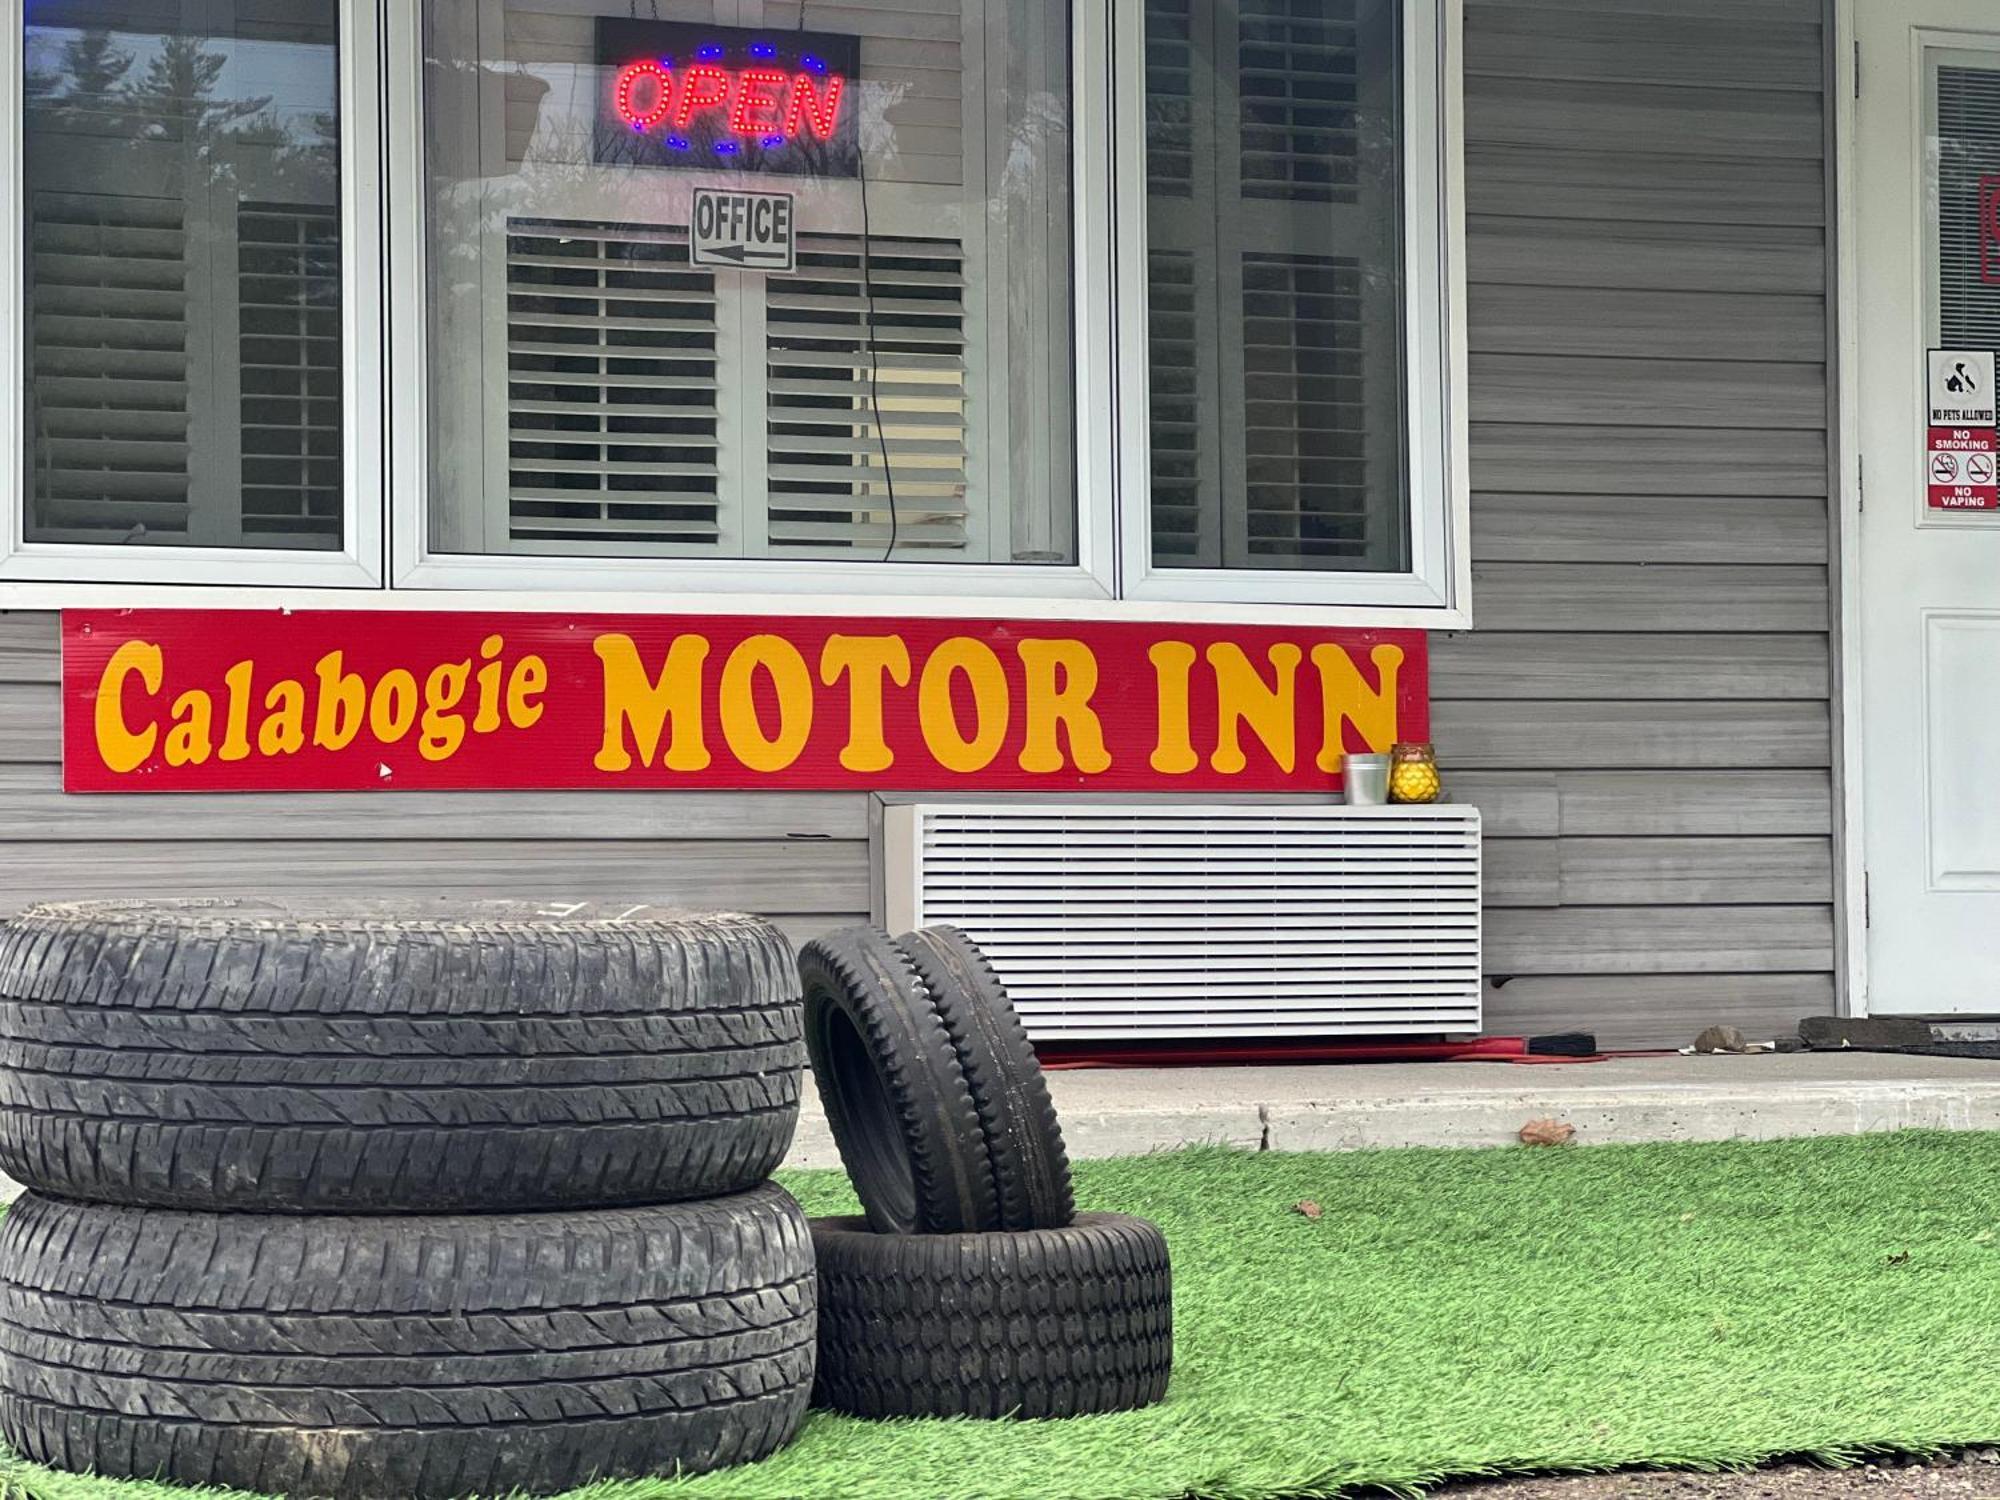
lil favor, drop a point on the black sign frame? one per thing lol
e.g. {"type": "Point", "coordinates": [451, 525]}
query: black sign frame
{"type": "Point", "coordinates": [706, 143]}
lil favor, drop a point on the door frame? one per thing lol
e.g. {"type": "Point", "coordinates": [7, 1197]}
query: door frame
{"type": "Point", "coordinates": [1847, 575]}
{"type": "Point", "coordinates": [1850, 863]}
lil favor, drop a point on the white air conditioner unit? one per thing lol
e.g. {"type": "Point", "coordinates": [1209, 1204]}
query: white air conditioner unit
{"type": "Point", "coordinates": [1151, 920]}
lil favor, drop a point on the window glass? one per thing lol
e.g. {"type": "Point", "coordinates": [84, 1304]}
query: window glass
{"type": "Point", "coordinates": [1274, 243]}
{"type": "Point", "coordinates": [611, 375]}
{"type": "Point", "coordinates": [182, 243]}
{"type": "Point", "coordinates": [1965, 160]}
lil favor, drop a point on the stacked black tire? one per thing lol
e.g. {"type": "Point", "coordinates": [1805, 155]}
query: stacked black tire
{"type": "Point", "coordinates": [365, 1207]}
{"type": "Point", "coordinates": [971, 1287]}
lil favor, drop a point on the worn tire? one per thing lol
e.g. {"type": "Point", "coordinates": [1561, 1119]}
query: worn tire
{"type": "Point", "coordinates": [1024, 1141]}
{"type": "Point", "coordinates": [1042, 1323]}
{"type": "Point", "coordinates": [436, 1357]}
{"type": "Point", "coordinates": [227, 1057]}
{"type": "Point", "coordinates": [896, 1099]}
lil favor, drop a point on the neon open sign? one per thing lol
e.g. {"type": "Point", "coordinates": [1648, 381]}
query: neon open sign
{"type": "Point", "coordinates": [720, 98]}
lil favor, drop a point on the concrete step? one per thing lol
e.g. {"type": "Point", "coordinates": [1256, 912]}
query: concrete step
{"type": "Point", "coordinates": [1125, 1111]}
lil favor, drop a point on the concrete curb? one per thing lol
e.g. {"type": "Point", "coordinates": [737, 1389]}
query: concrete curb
{"type": "Point", "coordinates": [1625, 1101]}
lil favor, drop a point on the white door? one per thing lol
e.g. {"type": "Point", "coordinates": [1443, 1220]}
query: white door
{"type": "Point", "coordinates": [1927, 566]}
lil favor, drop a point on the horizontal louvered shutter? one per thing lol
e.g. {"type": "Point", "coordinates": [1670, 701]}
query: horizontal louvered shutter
{"type": "Point", "coordinates": [1968, 126]}
{"type": "Point", "coordinates": [108, 329]}
{"type": "Point", "coordinates": [288, 333]}
{"type": "Point", "coordinates": [1174, 396]}
{"type": "Point", "coordinates": [1304, 424]}
{"type": "Point", "coordinates": [1296, 95]}
{"type": "Point", "coordinates": [1177, 920]}
{"type": "Point", "coordinates": [611, 387]}
{"type": "Point", "coordinates": [1257, 364]}
{"type": "Point", "coordinates": [845, 385]}
{"type": "Point", "coordinates": [1170, 96]}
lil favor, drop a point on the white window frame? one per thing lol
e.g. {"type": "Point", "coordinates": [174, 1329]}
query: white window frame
{"type": "Point", "coordinates": [387, 561]}
{"type": "Point", "coordinates": [1440, 576]}
{"type": "Point", "coordinates": [417, 565]}
{"type": "Point", "coordinates": [358, 562]}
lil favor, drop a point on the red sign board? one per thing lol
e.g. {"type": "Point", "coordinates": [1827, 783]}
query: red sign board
{"type": "Point", "coordinates": [212, 700]}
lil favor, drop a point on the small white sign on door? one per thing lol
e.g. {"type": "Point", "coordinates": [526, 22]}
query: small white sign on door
{"type": "Point", "coordinates": [1961, 388]}
{"type": "Point", "coordinates": [750, 231]}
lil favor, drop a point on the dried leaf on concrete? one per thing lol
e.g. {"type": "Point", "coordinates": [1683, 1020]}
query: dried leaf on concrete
{"type": "Point", "coordinates": [1546, 1133]}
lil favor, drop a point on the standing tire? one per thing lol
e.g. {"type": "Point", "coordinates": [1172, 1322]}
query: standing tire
{"type": "Point", "coordinates": [1024, 1142]}
{"type": "Point", "coordinates": [896, 1098]}
{"type": "Point", "coordinates": [223, 1056]}
{"type": "Point", "coordinates": [431, 1358]}
{"type": "Point", "coordinates": [1042, 1323]}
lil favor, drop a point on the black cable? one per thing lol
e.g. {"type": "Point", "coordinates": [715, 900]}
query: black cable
{"type": "Point", "coordinates": [868, 330]}
{"type": "Point", "coordinates": [874, 361]}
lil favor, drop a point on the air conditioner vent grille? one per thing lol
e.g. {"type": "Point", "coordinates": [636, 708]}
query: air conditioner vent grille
{"type": "Point", "coordinates": [1135, 921]}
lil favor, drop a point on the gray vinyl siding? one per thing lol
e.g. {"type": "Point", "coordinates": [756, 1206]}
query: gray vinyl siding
{"type": "Point", "coordinates": [1651, 674]}
{"type": "Point", "coordinates": [1642, 713]}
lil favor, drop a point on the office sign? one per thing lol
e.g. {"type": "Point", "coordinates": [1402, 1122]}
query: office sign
{"type": "Point", "coordinates": [749, 231]}
{"type": "Point", "coordinates": [213, 700]}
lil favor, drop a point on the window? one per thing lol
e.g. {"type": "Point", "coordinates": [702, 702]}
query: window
{"type": "Point", "coordinates": [1964, 218]}
{"type": "Point", "coordinates": [1273, 264]}
{"type": "Point", "coordinates": [898, 396]}
{"type": "Point", "coordinates": [1146, 300]}
{"type": "Point", "coordinates": [182, 293]}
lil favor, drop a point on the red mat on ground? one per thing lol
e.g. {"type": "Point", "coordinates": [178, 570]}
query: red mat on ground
{"type": "Point", "coordinates": [1190, 1053]}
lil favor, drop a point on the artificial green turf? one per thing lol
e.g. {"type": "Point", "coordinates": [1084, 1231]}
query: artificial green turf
{"type": "Point", "coordinates": [1458, 1312]}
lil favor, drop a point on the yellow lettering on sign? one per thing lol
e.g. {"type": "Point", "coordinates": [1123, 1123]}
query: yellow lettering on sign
{"type": "Point", "coordinates": [283, 731]}
{"type": "Point", "coordinates": [118, 746]}
{"type": "Point", "coordinates": [488, 718]}
{"type": "Point", "coordinates": [1243, 697]}
{"type": "Point", "coordinates": [343, 704]}
{"type": "Point", "coordinates": [1173, 753]}
{"type": "Point", "coordinates": [392, 707]}
{"type": "Point", "coordinates": [948, 746]}
{"type": "Point", "coordinates": [236, 722]}
{"type": "Point", "coordinates": [864, 660]}
{"type": "Point", "coordinates": [779, 659]}
{"type": "Point", "coordinates": [1346, 698]}
{"type": "Point", "coordinates": [1061, 677]}
{"type": "Point", "coordinates": [643, 704]}
{"type": "Point", "coordinates": [443, 730]}
{"type": "Point", "coordinates": [529, 681]}
{"type": "Point", "coordinates": [189, 741]}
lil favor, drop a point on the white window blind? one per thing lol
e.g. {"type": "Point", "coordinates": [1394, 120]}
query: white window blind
{"type": "Point", "coordinates": [109, 367]}
{"type": "Point", "coordinates": [865, 355]}
{"type": "Point", "coordinates": [1305, 428]}
{"type": "Point", "coordinates": [626, 364]}
{"type": "Point", "coordinates": [611, 387]}
{"type": "Point", "coordinates": [288, 336]}
{"type": "Point", "coordinates": [1968, 168]}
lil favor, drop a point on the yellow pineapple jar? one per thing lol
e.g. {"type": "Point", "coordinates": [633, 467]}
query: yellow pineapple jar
{"type": "Point", "coordinates": [1413, 772]}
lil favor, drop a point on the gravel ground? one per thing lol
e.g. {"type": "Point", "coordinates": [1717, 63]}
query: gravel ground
{"type": "Point", "coordinates": [1975, 1476]}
